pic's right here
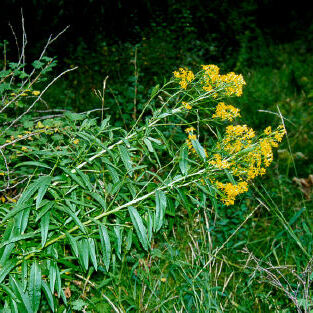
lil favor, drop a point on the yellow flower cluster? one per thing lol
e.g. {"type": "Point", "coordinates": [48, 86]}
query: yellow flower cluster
{"type": "Point", "coordinates": [186, 105]}
{"type": "Point", "coordinates": [237, 137]}
{"type": "Point", "coordinates": [191, 137]}
{"type": "Point", "coordinates": [231, 82]}
{"type": "Point", "coordinates": [260, 155]}
{"type": "Point", "coordinates": [24, 93]}
{"type": "Point", "coordinates": [235, 82]}
{"type": "Point", "coordinates": [226, 112]}
{"type": "Point", "coordinates": [219, 163]}
{"type": "Point", "coordinates": [246, 165]}
{"type": "Point", "coordinates": [238, 153]}
{"type": "Point", "coordinates": [231, 191]}
{"type": "Point", "coordinates": [185, 77]}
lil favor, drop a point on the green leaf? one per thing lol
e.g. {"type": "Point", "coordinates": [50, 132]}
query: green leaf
{"type": "Point", "coordinates": [58, 280]}
{"type": "Point", "coordinates": [22, 220]}
{"type": "Point", "coordinates": [52, 275]}
{"type": "Point", "coordinates": [45, 208]}
{"type": "Point", "coordinates": [183, 160]}
{"type": "Point", "coordinates": [44, 225]}
{"type": "Point", "coordinates": [33, 163]}
{"type": "Point", "coordinates": [126, 159]}
{"type": "Point", "coordinates": [118, 234]}
{"type": "Point", "coordinates": [160, 206]}
{"type": "Point", "coordinates": [35, 286]}
{"type": "Point", "coordinates": [150, 226]}
{"type": "Point", "coordinates": [23, 297]}
{"type": "Point", "coordinates": [155, 90]}
{"type": "Point", "coordinates": [24, 274]}
{"type": "Point", "coordinates": [74, 177]}
{"type": "Point", "coordinates": [37, 64]}
{"type": "Point", "coordinates": [6, 269]}
{"type": "Point", "coordinates": [42, 190]}
{"type": "Point", "coordinates": [48, 294]}
{"type": "Point", "coordinates": [10, 292]}
{"type": "Point", "coordinates": [74, 116]}
{"type": "Point", "coordinates": [18, 238]}
{"type": "Point", "coordinates": [105, 245]}
{"type": "Point", "coordinates": [148, 144]}
{"type": "Point", "coordinates": [79, 304]}
{"type": "Point", "coordinates": [45, 180]}
{"type": "Point", "coordinates": [73, 244]}
{"type": "Point", "coordinates": [74, 217]}
{"type": "Point", "coordinates": [85, 179]}
{"type": "Point", "coordinates": [199, 149]}
{"type": "Point", "coordinates": [129, 239]}
{"type": "Point", "coordinates": [99, 199]}
{"type": "Point", "coordinates": [113, 173]}
{"type": "Point", "coordinates": [83, 253]}
{"type": "Point", "coordinates": [139, 227]}
{"type": "Point", "coordinates": [6, 253]}
{"type": "Point", "coordinates": [92, 252]}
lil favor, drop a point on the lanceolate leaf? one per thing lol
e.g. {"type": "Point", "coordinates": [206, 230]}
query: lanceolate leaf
{"type": "Point", "coordinates": [45, 180]}
{"type": "Point", "coordinates": [74, 217]}
{"type": "Point", "coordinates": [183, 160]}
{"type": "Point", "coordinates": [83, 253]}
{"type": "Point", "coordinates": [140, 228]}
{"type": "Point", "coordinates": [92, 252]}
{"type": "Point", "coordinates": [126, 159]}
{"type": "Point", "coordinates": [118, 233]}
{"type": "Point", "coordinates": [105, 245]}
{"type": "Point", "coordinates": [23, 297]}
{"type": "Point", "coordinates": [6, 253]}
{"type": "Point", "coordinates": [44, 225]}
{"type": "Point", "coordinates": [58, 281]}
{"type": "Point", "coordinates": [48, 294]}
{"type": "Point", "coordinates": [160, 206]}
{"type": "Point", "coordinates": [6, 269]}
{"type": "Point", "coordinates": [22, 220]}
{"type": "Point", "coordinates": [42, 190]}
{"type": "Point", "coordinates": [199, 149]}
{"type": "Point", "coordinates": [52, 274]}
{"type": "Point", "coordinates": [73, 244]}
{"type": "Point", "coordinates": [35, 286]}
{"type": "Point", "coordinates": [85, 179]}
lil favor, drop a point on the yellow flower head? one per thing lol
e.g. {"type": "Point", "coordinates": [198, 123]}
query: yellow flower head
{"type": "Point", "coordinates": [190, 129]}
{"type": "Point", "coordinates": [226, 112]}
{"type": "Point", "coordinates": [186, 105]}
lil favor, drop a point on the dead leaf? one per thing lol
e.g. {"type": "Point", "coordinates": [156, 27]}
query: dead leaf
{"type": "Point", "coordinates": [305, 184]}
{"type": "Point", "coordinates": [67, 292]}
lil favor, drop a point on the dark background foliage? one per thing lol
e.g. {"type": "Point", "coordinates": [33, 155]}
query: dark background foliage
{"type": "Point", "coordinates": [126, 21]}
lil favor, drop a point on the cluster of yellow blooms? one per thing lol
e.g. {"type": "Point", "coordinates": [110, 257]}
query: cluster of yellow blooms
{"type": "Point", "coordinates": [24, 93]}
{"type": "Point", "coordinates": [191, 136]}
{"type": "Point", "coordinates": [218, 162]}
{"type": "Point", "coordinates": [238, 152]}
{"type": "Point", "coordinates": [237, 137]}
{"type": "Point", "coordinates": [186, 105]}
{"type": "Point", "coordinates": [185, 77]}
{"type": "Point", "coordinates": [226, 112]}
{"type": "Point", "coordinates": [210, 79]}
{"type": "Point", "coordinates": [231, 191]}
{"type": "Point", "coordinates": [230, 83]}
